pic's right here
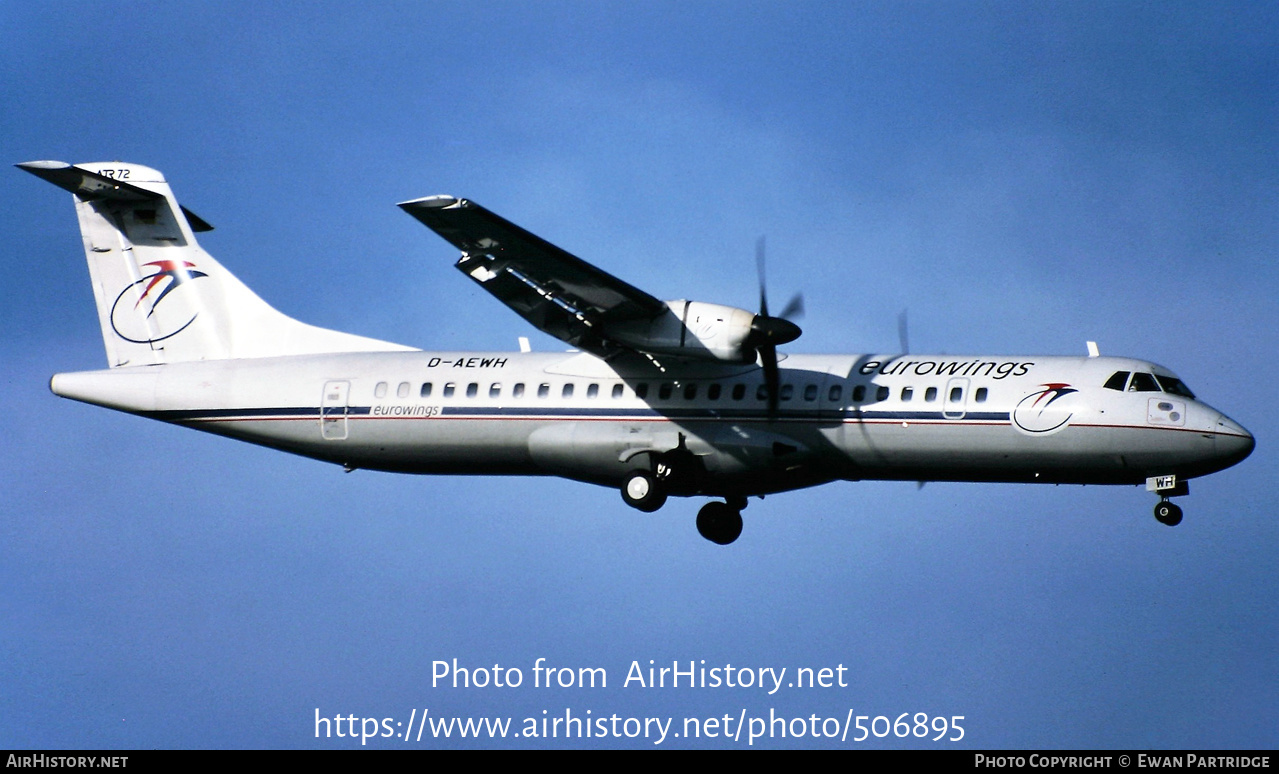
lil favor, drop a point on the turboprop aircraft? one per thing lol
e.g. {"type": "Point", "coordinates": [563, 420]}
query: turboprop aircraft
{"type": "Point", "coordinates": [657, 398]}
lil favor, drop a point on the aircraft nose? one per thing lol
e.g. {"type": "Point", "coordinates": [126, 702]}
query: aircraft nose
{"type": "Point", "coordinates": [1233, 442]}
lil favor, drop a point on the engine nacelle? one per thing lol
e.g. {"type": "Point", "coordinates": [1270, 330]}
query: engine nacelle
{"type": "Point", "coordinates": [693, 329]}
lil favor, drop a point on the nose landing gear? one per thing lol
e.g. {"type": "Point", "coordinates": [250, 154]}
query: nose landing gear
{"type": "Point", "coordinates": [1168, 513]}
{"type": "Point", "coordinates": [1165, 487]}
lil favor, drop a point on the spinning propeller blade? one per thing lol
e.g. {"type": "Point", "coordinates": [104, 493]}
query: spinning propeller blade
{"type": "Point", "coordinates": [768, 332]}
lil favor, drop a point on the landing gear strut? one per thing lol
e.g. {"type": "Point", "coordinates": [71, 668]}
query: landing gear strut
{"type": "Point", "coordinates": [721, 522]}
{"type": "Point", "coordinates": [1168, 513]}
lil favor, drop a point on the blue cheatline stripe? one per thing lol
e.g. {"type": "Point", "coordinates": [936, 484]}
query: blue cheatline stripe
{"type": "Point", "coordinates": [515, 412]}
{"type": "Point", "coordinates": [184, 415]}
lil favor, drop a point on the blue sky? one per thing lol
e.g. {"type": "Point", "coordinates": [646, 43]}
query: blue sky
{"type": "Point", "coordinates": [1021, 178]}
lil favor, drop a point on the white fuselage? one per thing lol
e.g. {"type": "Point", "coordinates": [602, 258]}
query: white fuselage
{"type": "Point", "coordinates": [905, 417]}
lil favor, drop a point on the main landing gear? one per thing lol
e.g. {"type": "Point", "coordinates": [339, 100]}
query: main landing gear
{"type": "Point", "coordinates": [718, 522]}
{"type": "Point", "coordinates": [642, 490]}
{"type": "Point", "coordinates": [721, 522]}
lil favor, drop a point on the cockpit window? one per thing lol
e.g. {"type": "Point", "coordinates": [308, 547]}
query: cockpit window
{"type": "Point", "coordinates": [1143, 383]}
{"type": "Point", "coordinates": [1174, 386]}
{"type": "Point", "coordinates": [1117, 381]}
{"type": "Point", "coordinates": [1148, 383]}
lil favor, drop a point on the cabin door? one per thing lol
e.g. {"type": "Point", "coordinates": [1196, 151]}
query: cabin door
{"type": "Point", "coordinates": [955, 401]}
{"type": "Point", "coordinates": [333, 411]}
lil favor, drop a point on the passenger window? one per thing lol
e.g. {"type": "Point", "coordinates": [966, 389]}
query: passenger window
{"type": "Point", "coordinates": [1143, 383]}
{"type": "Point", "coordinates": [617, 390]}
{"type": "Point", "coordinates": [1117, 381]}
{"type": "Point", "coordinates": [402, 391]}
{"type": "Point", "coordinates": [859, 393]}
{"type": "Point", "coordinates": [930, 394]}
{"type": "Point", "coordinates": [495, 390]}
{"type": "Point", "coordinates": [761, 392]}
{"type": "Point", "coordinates": [426, 390]}
{"type": "Point", "coordinates": [543, 390]}
{"type": "Point", "coordinates": [641, 390]}
{"type": "Point", "coordinates": [380, 390]}
{"type": "Point", "coordinates": [448, 389]}
{"type": "Point", "coordinates": [836, 392]}
{"type": "Point", "coordinates": [810, 392]}
{"type": "Point", "coordinates": [787, 391]}
{"type": "Point", "coordinates": [712, 392]}
{"type": "Point", "coordinates": [907, 392]}
{"type": "Point", "coordinates": [664, 392]}
{"type": "Point", "coordinates": [518, 390]}
{"type": "Point", "coordinates": [567, 392]}
{"type": "Point", "coordinates": [690, 391]}
{"type": "Point", "coordinates": [593, 391]}
{"type": "Point", "coordinates": [881, 393]}
{"type": "Point", "coordinates": [956, 394]}
{"type": "Point", "coordinates": [739, 391]}
{"type": "Point", "coordinates": [472, 390]}
{"type": "Point", "coordinates": [980, 397]}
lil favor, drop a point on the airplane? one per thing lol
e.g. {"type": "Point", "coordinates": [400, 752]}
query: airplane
{"type": "Point", "coordinates": [655, 398]}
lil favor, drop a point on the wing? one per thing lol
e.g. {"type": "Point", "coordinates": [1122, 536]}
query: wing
{"type": "Point", "coordinates": [554, 290]}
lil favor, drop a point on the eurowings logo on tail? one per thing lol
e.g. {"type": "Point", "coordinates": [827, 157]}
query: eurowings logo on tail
{"type": "Point", "coordinates": [1040, 413]}
{"type": "Point", "coordinates": [143, 321]}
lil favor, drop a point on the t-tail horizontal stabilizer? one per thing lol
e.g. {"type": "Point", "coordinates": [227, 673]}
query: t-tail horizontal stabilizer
{"type": "Point", "coordinates": [93, 185]}
{"type": "Point", "coordinates": [160, 297]}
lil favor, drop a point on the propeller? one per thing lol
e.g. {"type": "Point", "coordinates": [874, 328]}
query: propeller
{"type": "Point", "coordinates": [794, 308]}
{"type": "Point", "coordinates": [768, 332]}
{"type": "Point", "coordinates": [903, 333]}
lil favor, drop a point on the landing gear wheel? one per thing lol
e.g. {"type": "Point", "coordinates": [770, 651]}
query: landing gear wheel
{"type": "Point", "coordinates": [1167, 513]}
{"type": "Point", "coordinates": [642, 491]}
{"type": "Point", "coordinates": [719, 522]}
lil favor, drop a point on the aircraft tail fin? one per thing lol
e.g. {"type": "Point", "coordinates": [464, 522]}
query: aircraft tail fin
{"type": "Point", "coordinates": [161, 298]}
